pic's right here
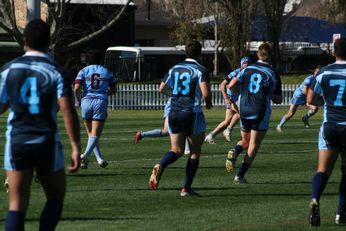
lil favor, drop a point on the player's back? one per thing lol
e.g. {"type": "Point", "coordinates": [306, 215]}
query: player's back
{"type": "Point", "coordinates": [333, 83]}
{"type": "Point", "coordinates": [96, 80]}
{"type": "Point", "coordinates": [184, 78]}
{"type": "Point", "coordinates": [307, 82]}
{"type": "Point", "coordinates": [258, 81]}
{"type": "Point", "coordinates": [31, 84]}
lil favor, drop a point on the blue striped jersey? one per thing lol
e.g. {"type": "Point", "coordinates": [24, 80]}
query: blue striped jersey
{"type": "Point", "coordinates": [331, 83]}
{"type": "Point", "coordinates": [95, 80]}
{"type": "Point", "coordinates": [258, 82]}
{"type": "Point", "coordinates": [31, 85]}
{"type": "Point", "coordinates": [184, 79]}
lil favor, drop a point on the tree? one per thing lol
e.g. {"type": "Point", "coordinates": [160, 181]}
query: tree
{"type": "Point", "coordinates": [234, 22]}
{"type": "Point", "coordinates": [64, 34]}
{"type": "Point", "coordinates": [274, 10]}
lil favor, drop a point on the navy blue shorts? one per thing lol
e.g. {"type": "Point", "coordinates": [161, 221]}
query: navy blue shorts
{"type": "Point", "coordinates": [46, 157]}
{"type": "Point", "coordinates": [332, 136]}
{"type": "Point", "coordinates": [181, 121]}
{"type": "Point", "coordinates": [247, 125]}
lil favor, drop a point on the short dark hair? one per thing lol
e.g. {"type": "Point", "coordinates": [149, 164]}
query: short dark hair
{"type": "Point", "coordinates": [340, 48]}
{"type": "Point", "coordinates": [93, 56]}
{"type": "Point", "coordinates": [193, 49]}
{"type": "Point", "coordinates": [37, 35]}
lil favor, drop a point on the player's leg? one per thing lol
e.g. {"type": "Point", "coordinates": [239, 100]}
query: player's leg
{"type": "Point", "coordinates": [187, 147]}
{"type": "Point", "coordinates": [210, 138]}
{"type": "Point", "coordinates": [19, 183]}
{"type": "Point", "coordinates": [234, 120]}
{"type": "Point", "coordinates": [87, 115]}
{"type": "Point", "coordinates": [233, 154]}
{"type": "Point", "coordinates": [195, 140]}
{"type": "Point", "coordinates": [291, 112]}
{"type": "Point", "coordinates": [312, 111]}
{"type": "Point", "coordinates": [97, 128]}
{"type": "Point", "coordinates": [258, 129]}
{"type": "Point", "coordinates": [326, 161]}
{"type": "Point", "coordinates": [340, 218]}
{"type": "Point", "coordinates": [327, 156]}
{"type": "Point", "coordinates": [54, 186]}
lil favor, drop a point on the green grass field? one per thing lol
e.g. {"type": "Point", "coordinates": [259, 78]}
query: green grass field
{"type": "Point", "coordinates": [118, 197]}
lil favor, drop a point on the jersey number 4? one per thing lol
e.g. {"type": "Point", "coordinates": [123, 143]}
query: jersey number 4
{"type": "Point", "coordinates": [28, 95]}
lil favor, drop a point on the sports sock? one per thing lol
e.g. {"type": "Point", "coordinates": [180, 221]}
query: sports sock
{"type": "Point", "coordinates": [309, 114]}
{"type": "Point", "coordinates": [187, 147]}
{"type": "Point", "coordinates": [342, 195]}
{"type": "Point", "coordinates": [15, 221]}
{"type": "Point", "coordinates": [92, 141]}
{"type": "Point", "coordinates": [97, 152]}
{"type": "Point", "coordinates": [229, 129]}
{"type": "Point", "coordinates": [50, 215]}
{"type": "Point", "coordinates": [282, 122]}
{"type": "Point", "coordinates": [169, 158]}
{"type": "Point", "coordinates": [152, 133]}
{"type": "Point", "coordinates": [238, 149]}
{"type": "Point", "coordinates": [319, 182]}
{"type": "Point", "coordinates": [243, 169]}
{"type": "Point", "coordinates": [191, 169]}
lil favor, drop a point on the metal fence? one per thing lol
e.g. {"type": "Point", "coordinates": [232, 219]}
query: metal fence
{"type": "Point", "coordinates": [147, 96]}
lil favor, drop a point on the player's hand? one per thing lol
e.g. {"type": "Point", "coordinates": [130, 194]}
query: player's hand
{"type": "Point", "coordinates": [228, 101]}
{"type": "Point", "coordinates": [75, 162]}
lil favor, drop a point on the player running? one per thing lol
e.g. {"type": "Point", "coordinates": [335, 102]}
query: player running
{"type": "Point", "coordinates": [187, 83]}
{"type": "Point", "coordinates": [299, 98]}
{"type": "Point", "coordinates": [232, 113]}
{"type": "Point", "coordinates": [330, 83]}
{"type": "Point", "coordinates": [257, 84]}
{"type": "Point", "coordinates": [97, 83]}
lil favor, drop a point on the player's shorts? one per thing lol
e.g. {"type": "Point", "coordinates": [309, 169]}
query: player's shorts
{"type": "Point", "coordinates": [332, 136]}
{"type": "Point", "coordinates": [228, 106]}
{"type": "Point", "coordinates": [301, 100]}
{"type": "Point", "coordinates": [189, 123]}
{"type": "Point", "coordinates": [260, 124]}
{"type": "Point", "coordinates": [46, 157]}
{"type": "Point", "coordinates": [94, 109]}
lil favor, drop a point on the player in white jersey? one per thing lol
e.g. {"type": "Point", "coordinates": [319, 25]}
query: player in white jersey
{"type": "Point", "coordinates": [97, 83]}
{"type": "Point", "coordinates": [299, 98]}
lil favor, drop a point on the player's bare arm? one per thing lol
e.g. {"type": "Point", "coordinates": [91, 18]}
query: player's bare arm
{"type": "Point", "coordinates": [76, 91]}
{"type": "Point", "coordinates": [223, 86]}
{"type": "Point", "coordinates": [206, 93]}
{"type": "Point", "coordinates": [233, 85]}
{"type": "Point", "coordinates": [165, 89]}
{"type": "Point", "coordinates": [71, 122]}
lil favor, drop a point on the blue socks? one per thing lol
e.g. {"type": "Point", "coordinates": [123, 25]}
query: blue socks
{"type": "Point", "coordinates": [238, 149]}
{"type": "Point", "coordinates": [243, 169]}
{"type": "Point", "coordinates": [191, 169]}
{"type": "Point", "coordinates": [342, 195]}
{"type": "Point", "coordinates": [152, 133]}
{"type": "Point", "coordinates": [15, 221]}
{"type": "Point", "coordinates": [50, 215]}
{"type": "Point", "coordinates": [168, 159]}
{"type": "Point", "coordinates": [319, 182]}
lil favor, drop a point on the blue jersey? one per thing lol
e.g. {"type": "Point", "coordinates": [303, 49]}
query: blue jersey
{"type": "Point", "coordinates": [307, 82]}
{"type": "Point", "coordinates": [331, 83]}
{"type": "Point", "coordinates": [31, 85]}
{"type": "Point", "coordinates": [185, 78]}
{"type": "Point", "coordinates": [228, 78]}
{"type": "Point", "coordinates": [95, 80]}
{"type": "Point", "coordinates": [257, 83]}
